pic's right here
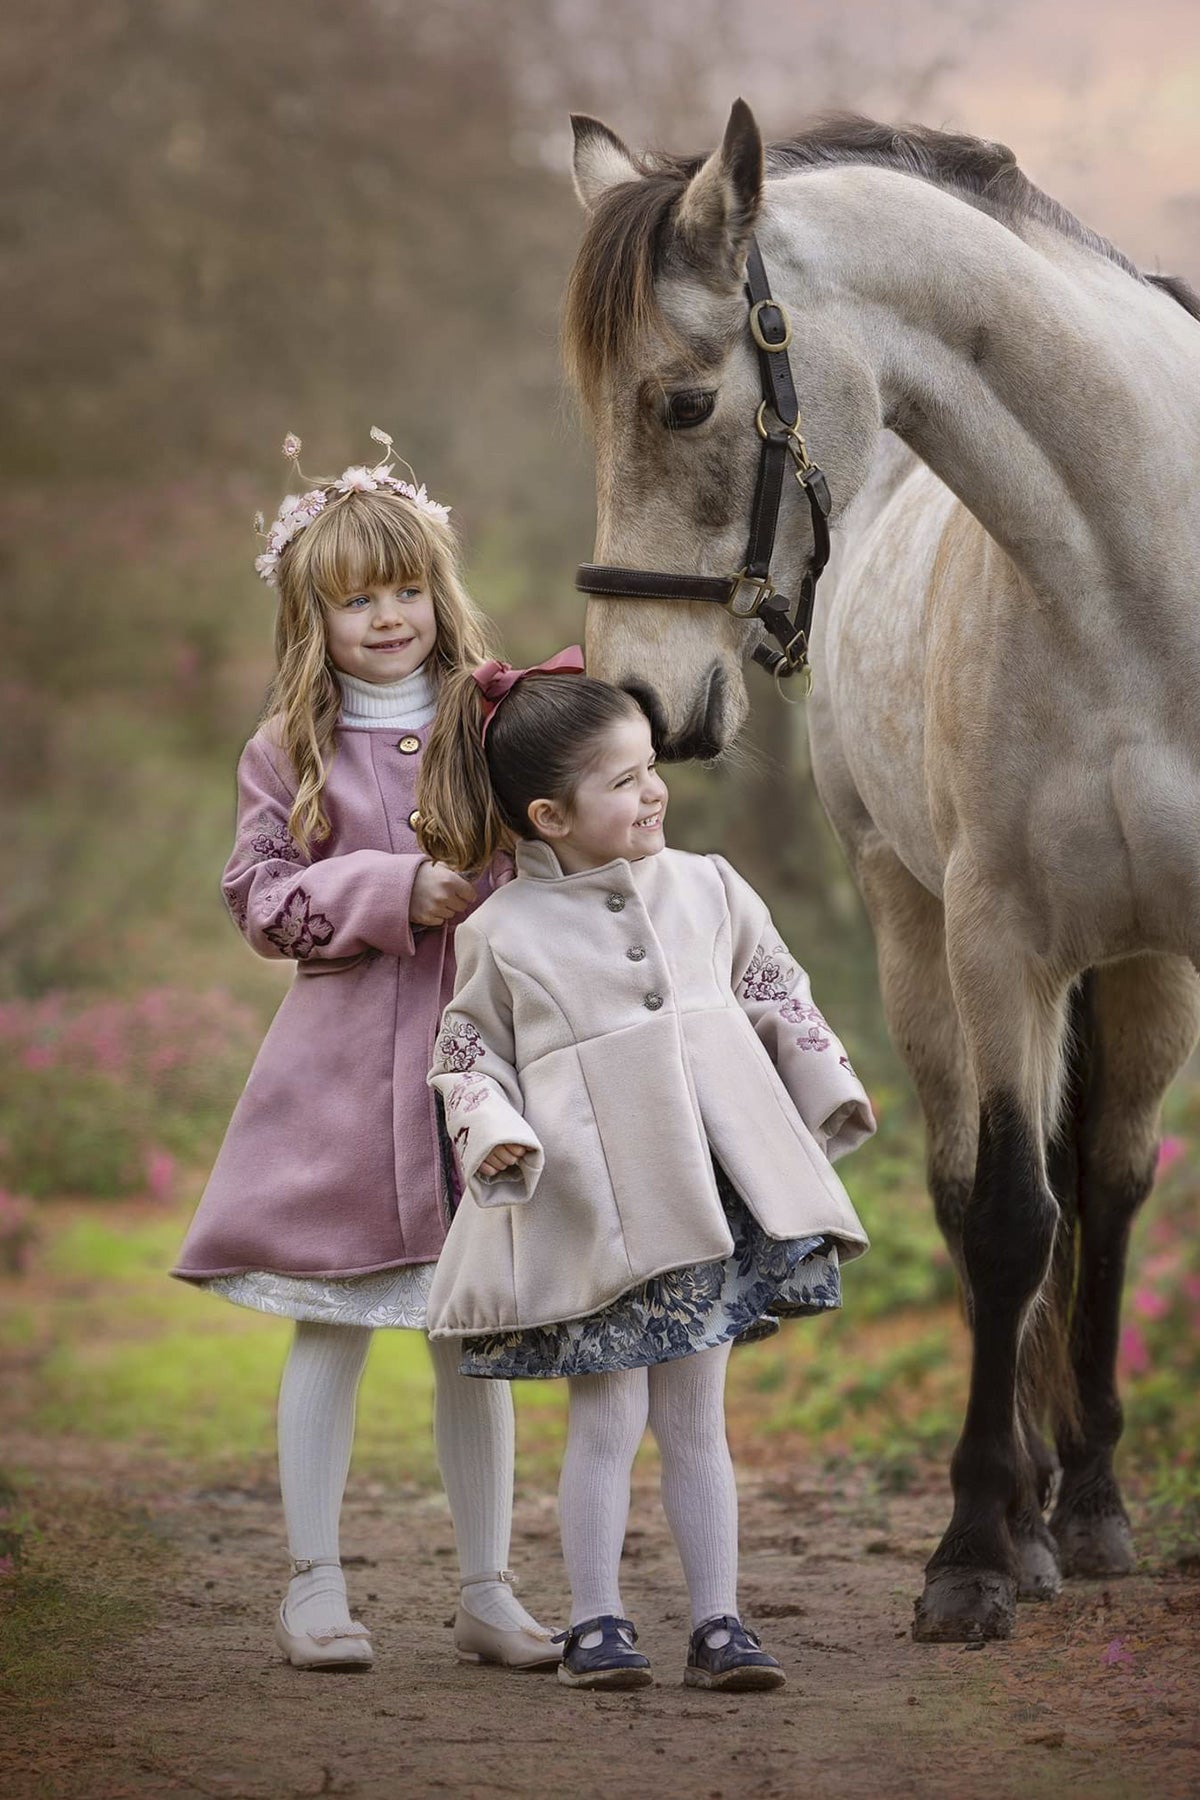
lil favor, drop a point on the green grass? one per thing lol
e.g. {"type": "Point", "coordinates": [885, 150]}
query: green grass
{"type": "Point", "coordinates": [105, 1347]}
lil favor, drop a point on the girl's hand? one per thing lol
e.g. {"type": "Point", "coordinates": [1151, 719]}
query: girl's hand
{"type": "Point", "coordinates": [502, 1157]}
{"type": "Point", "coordinates": [438, 893]}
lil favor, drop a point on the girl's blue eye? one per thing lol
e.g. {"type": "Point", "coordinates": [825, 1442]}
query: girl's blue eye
{"type": "Point", "coordinates": [358, 600]}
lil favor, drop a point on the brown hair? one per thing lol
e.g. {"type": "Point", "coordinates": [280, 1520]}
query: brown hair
{"type": "Point", "coordinates": [474, 797]}
{"type": "Point", "coordinates": [359, 540]}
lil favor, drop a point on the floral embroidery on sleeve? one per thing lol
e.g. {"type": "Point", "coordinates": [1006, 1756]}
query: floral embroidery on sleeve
{"type": "Point", "coordinates": [469, 1094]}
{"type": "Point", "coordinates": [298, 930]}
{"type": "Point", "coordinates": [815, 1035]}
{"type": "Point", "coordinates": [272, 838]}
{"type": "Point", "coordinates": [237, 908]}
{"type": "Point", "coordinates": [459, 1046]}
{"type": "Point", "coordinates": [765, 979]}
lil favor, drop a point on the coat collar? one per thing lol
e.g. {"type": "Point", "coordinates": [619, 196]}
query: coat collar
{"type": "Point", "coordinates": [534, 858]}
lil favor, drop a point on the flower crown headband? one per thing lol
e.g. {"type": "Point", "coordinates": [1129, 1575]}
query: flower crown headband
{"type": "Point", "coordinates": [299, 510]}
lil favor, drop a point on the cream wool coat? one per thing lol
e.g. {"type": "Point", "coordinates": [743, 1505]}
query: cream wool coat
{"type": "Point", "coordinates": [627, 1024]}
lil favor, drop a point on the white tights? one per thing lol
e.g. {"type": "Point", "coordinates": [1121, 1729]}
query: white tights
{"type": "Point", "coordinates": [685, 1404]}
{"type": "Point", "coordinates": [473, 1432]}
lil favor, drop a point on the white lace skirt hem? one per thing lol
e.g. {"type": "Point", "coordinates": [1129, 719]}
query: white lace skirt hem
{"type": "Point", "coordinates": [387, 1298]}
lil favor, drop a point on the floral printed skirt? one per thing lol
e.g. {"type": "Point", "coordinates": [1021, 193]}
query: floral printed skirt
{"type": "Point", "coordinates": [696, 1308]}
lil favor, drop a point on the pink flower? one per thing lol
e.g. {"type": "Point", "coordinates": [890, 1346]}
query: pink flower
{"type": "Point", "coordinates": [1150, 1304]}
{"type": "Point", "coordinates": [1133, 1354]}
{"type": "Point", "coordinates": [160, 1174]}
{"type": "Point", "coordinates": [1169, 1152]}
{"type": "Point", "coordinates": [266, 565]}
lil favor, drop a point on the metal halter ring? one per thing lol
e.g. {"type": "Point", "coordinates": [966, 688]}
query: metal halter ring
{"type": "Point", "coordinates": [797, 448]}
{"type": "Point", "coordinates": [763, 588]}
{"type": "Point", "coordinates": [756, 331]}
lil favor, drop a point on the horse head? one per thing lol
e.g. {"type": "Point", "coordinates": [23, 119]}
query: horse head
{"type": "Point", "coordinates": [657, 338]}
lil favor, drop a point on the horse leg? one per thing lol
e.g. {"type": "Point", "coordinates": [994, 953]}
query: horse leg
{"type": "Point", "coordinates": [1014, 1017]}
{"type": "Point", "coordinates": [918, 1002]}
{"type": "Point", "coordinates": [1146, 1016]}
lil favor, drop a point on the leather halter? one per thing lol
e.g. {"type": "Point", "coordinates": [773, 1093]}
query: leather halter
{"type": "Point", "coordinates": [751, 593]}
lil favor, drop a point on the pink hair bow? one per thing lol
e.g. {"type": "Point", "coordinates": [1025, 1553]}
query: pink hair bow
{"type": "Point", "coordinates": [495, 680]}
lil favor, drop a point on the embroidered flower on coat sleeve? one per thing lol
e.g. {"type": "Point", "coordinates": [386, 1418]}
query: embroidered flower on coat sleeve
{"type": "Point", "coordinates": [299, 930]}
{"type": "Point", "coordinates": [469, 1094]}
{"type": "Point", "coordinates": [813, 1039]}
{"type": "Point", "coordinates": [271, 837]}
{"type": "Point", "coordinates": [799, 1012]}
{"type": "Point", "coordinates": [237, 906]}
{"type": "Point", "coordinates": [459, 1045]}
{"type": "Point", "coordinates": [764, 979]}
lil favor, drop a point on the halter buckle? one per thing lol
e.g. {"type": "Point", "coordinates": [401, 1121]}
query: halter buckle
{"type": "Point", "coordinates": [763, 588]}
{"type": "Point", "coordinates": [756, 330]}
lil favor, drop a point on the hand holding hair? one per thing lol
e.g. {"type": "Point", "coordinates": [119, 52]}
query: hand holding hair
{"type": "Point", "coordinates": [438, 893]}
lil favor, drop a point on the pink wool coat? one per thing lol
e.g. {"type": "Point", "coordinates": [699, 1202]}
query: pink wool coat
{"type": "Point", "coordinates": [627, 1024]}
{"type": "Point", "coordinates": [331, 1163]}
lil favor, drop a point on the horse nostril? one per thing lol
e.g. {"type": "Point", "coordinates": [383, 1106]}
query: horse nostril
{"type": "Point", "coordinates": [701, 737]}
{"type": "Point", "coordinates": [654, 710]}
{"type": "Point", "coordinates": [714, 709]}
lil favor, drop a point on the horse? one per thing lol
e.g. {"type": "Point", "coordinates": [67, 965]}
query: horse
{"type": "Point", "coordinates": [1003, 721]}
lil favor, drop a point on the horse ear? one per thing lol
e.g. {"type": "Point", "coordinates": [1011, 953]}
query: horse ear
{"type": "Point", "coordinates": [720, 204]}
{"type": "Point", "coordinates": [601, 160]}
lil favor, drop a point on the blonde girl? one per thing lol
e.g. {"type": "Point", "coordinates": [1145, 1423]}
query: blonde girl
{"type": "Point", "coordinates": [645, 1104]}
{"type": "Point", "coordinates": [330, 1198]}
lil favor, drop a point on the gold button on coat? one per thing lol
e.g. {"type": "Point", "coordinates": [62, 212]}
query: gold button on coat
{"type": "Point", "coordinates": [414, 819]}
{"type": "Point", "coordinates": [409, 744]}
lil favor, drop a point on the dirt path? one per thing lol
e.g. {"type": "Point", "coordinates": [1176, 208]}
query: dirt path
{"type": "Point", "coordinates": [1098, 1696]}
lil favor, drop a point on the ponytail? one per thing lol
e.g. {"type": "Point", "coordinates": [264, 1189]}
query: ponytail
{"type": "Point", "coordinates": [460, 822]}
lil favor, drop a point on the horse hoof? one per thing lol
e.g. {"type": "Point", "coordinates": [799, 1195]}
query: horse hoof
{"type": "Point", "coordinates": [1095, 1546]}
{"type": "Point", "coordinates": [964, 1606]}
{"type": "Point", "coordinates": [1040, 1578]}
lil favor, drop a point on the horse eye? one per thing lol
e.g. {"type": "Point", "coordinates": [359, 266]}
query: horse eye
{"type": "Point", "coordinates": [687, 409]}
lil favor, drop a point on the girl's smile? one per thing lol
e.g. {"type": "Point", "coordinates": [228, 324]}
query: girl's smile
{"type": "Point", "coordinates": [381, 633]}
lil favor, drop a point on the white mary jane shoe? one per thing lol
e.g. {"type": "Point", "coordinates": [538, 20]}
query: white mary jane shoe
{"type": "Point", "coordinates": [515, 1648]}
{"type": "Point", "coordinates": [347, 1649]}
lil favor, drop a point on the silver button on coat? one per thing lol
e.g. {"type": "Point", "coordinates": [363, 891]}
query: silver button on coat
{"type": "Point", "coordinates": [652, 1002]}
{"type": "Point", "coordinates": [636, 953]}
{"type": "Point", "coordinates": [615, 903]}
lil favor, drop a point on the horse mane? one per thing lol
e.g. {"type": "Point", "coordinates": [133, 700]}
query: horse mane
{"type": "Point", "coordinates": [611, 297]}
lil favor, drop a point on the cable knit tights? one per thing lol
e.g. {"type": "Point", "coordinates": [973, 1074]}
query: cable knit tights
{"type": "Point", "coordinates": [685, 1403]}
{"type": "Point", "coordinates": [473, 1431]}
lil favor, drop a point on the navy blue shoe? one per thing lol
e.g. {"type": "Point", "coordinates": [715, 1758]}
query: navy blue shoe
{"type": "Point", "coordinates": [737, 1666]}
{"type": "Point", "coordinates": [612, 1663]}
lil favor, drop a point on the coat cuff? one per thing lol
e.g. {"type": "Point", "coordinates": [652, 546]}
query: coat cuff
{"type": "Point", "coordinates": [479, 1118]}
{"type": "Point", "coordinates": [848, 1126]}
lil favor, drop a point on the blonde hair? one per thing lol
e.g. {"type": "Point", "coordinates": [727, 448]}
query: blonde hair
{"type": "Point", "coordinates": [360, 540]}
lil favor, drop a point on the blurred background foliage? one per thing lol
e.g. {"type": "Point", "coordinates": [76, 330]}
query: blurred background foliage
{"type": "Point", "coordinates": [224, 223]}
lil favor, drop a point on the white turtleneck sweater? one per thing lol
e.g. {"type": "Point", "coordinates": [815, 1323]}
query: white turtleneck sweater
{"type": "Point", "coordinates": [407, 704]}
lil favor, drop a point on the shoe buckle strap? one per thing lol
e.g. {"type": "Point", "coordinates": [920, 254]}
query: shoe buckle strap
{"type": "Point", "coordinates": [302, 1564]}
{"type": "Point", "coordinates": [504, 1575]}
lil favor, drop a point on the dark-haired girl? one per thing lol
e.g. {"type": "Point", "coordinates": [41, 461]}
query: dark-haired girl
{"type": "Point", "coordinates": [645, 1104]}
